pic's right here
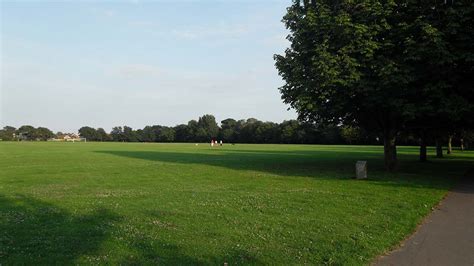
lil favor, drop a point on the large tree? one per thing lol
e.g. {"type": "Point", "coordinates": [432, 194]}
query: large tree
{"type": "Point", "coordinates": [166, 134]}
{"type": "Point", "coordinates": [207, 128]}
{"type": "Point", "coordinates": [7, 133]}
{"type": "Point", "coordinates": [182, 133]}
{"type": "Point", "coordinates": [290, 132]}
{"type": "Point", "coordinates": [352, 62]}
{"type": "Point", "coordinates": [102, 135]}
{"type": "Point", "coordinates": [89, 133]}
{"type": "Point", "coordinates": [117, 134]}
{"type": "Point", "coordinates": [26, 132]}
{"type": "Point", "coordinates": [444, 69]}
{"type": "Point", "coordinates": [42, 133]}
{"type": "Point", "coordinates": [129, 135]}
{"type": "Point", "coordinates": [228, 131]}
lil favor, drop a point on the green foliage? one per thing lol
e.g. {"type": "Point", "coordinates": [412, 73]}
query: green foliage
{"type": "Point", "coordinates": [7, 133]}
{"type": "Point", "coordinates": [228, 130]}
{"type": "Point", "coordinates": [350, 134]}
{"type": "Point", "coordinates": [102, 135]}
{"type": "Point", "coordinates": [166, 134]}
{"type": "Point", "coordinates": [129, 135]}
{"type": "Point", "coordinates": [379, 65]}
{"type": "Point", "coordinates": [446, 102]}
{"type": "Point", "coordinates": [117, 134]}
{"type": "Point", "coordinates": [344, 62]}
{"type": "Point", "coordinates": [182, 133]}
{"type": "Point", "coordinates": [291, 133]}
{"type": "Point", "coordinates": [26, 132]}
{"type": "Point", "coordinates": [43, 133]}
{"type": "Point", "coordinates": [89, 133]}
{"type": "Point", "coordinates": [148, 134]}
{"type": "Point", "coordinates": [181, 204]}
{"type": "Point", "coordinates": [207, 128]}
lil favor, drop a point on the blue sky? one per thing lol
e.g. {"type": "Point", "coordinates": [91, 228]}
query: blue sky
{"type": "Point", "coordinates": [66, 64]}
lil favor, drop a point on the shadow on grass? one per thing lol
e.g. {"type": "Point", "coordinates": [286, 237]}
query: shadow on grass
{"type": "Point", "coordinates": [466, 185]}
{"type": "Point", "coordinates": [150, 251]}
{"type": "Point", "coordinates": [33, 232]}
{"type": "Point", "coordinates": [298, 163]}
{"type": "Point", "coordinates": [321, 164]}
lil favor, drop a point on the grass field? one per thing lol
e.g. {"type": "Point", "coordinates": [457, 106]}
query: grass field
{"type": "Point", "coordinates": [97, 203]}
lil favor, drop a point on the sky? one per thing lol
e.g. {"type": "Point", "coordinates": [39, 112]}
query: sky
{"type": "Point", "coordinates": [67, 64]}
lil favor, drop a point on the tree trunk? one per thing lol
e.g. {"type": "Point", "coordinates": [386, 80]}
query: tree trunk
{"type": "Point", "coordinates": [439, 149]}
{"type": "Point", "coordinates": [450, 148]}
{"type": "Point", "coordinates": [422, 150]}
{"type": "Point", "coordinates": [390, 150]}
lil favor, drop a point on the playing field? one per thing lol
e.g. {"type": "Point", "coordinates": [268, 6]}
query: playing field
{"type": "Point", "coordinates": [92, 203]}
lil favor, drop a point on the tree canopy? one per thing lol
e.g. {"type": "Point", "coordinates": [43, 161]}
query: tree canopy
{"type": "Point", "coordinates": [375, 64]}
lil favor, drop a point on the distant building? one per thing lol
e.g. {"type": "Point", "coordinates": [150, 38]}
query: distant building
{"type": "Point", "coordinates": [68, 137]}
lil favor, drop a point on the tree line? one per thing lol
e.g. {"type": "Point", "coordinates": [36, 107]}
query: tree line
{"type": "Point", "coordinates": [25, 132]}
{"type": "Point", "coordinates": [232, 131]}
{"type": "Point", "coordinates": [392, 67]}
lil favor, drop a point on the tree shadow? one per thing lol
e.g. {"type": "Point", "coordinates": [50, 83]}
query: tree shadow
{"type": "Point", "coordinates": [300, 163]}
{"type": "Point", "coordinates": [331, 164]}
{"type": "Point", "coordinates": [35, 232]}
{"type": "Point", "coordinates": [466, 184]}
{"type": "Point", "coordinates": [151, 251]}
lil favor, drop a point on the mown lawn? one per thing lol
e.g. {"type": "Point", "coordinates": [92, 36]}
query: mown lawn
{"type": "Point", "coordinates": [97, 203]}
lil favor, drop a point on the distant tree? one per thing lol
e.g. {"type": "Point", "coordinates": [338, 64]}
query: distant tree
{"type": "Point", "coordinates": [207, 128]}
{"type": "Point", "coordinates": [26, 132]}
{"type": "Point", "coordinates": [330, 134]}
{"type": "Point", "coordinates": [252, 131]}
{"type": "Point", "coordinates": [247, 130]}
{"type": "Point", "coordinates": [7, 133]}
{"type": "Point", "coordinates": [102, 135]}
{"type": "Point", "coordinates": [129, 135]}
{"type": "Point", "coordinates": [267, 132]}
{"type": "Point", "coordinates": [182, 133]}
{"type": "Point", "coordinates": [42, 133]}
{"type": "Point", "coordinates": [25, 129]}
{"type": "Point", "coordinates": [117, 134]}
{"type": "Point", "coordinates": [228, 131]}
{"type": "Point", "coordinates": [350, 134]}
{"type": "Point", "coordinates": [291, 132]}
{"type": "Point", "coordinates": [192, 129]}
{"type": "Point", "coordinates": [148, 134]}
{"type": "Point", "coordinates": [139, 135]}
{"type": "Point", "coordinates": [166, 134]}
{"type": "Point", "coordinates": [89, 133]}
{"type": "Point", "coordinates": [201, 135]}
